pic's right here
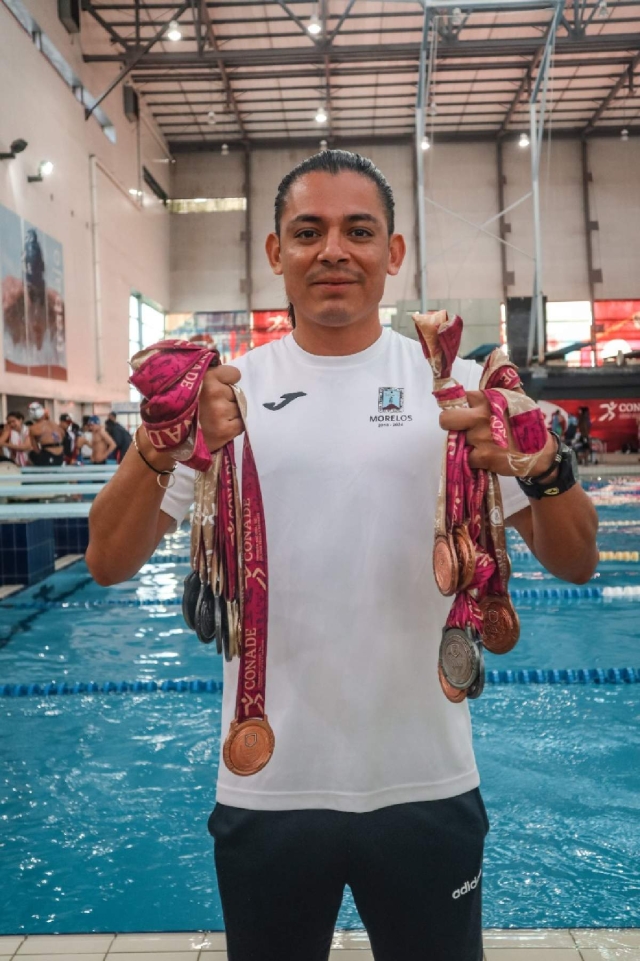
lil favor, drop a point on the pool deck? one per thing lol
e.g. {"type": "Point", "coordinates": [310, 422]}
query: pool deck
{"type": "Point", "coordinates": [548, 944]}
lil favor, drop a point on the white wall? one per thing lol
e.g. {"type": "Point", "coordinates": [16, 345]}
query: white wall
{"type": "Point", "coordinates": [462, 263]}
{"type": "Point", "coordinates": [38, 106]}
{"type": "Point", "coordinates": [207, 250]}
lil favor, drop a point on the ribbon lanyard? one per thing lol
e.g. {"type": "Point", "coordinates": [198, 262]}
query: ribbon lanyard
{"type": "Point", "coordinates": [226, 594]}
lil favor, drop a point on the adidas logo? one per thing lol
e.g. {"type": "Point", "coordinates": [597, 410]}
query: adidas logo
{"type": "Point", "coordinates": [467, 886]}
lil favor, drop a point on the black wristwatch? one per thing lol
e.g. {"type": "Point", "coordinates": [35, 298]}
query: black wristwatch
{"type": "Point", "coordinates": [536, 487]}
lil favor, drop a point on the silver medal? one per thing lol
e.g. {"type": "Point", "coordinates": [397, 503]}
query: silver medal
{"type": "Point", "coordinates": [459, 658]}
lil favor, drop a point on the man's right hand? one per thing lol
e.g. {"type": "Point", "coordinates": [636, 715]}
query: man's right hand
{"type": "Point", "coordinates": [218, 409]}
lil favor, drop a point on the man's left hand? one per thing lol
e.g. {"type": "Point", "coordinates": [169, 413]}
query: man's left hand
{"type": "Point", "coordinates": [486, 454]}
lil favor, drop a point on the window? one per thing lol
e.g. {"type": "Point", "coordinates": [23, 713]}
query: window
{"type": "Point", "coordinates": [146, 326]}
{"type": "Point", "coordinates": [207, 205]}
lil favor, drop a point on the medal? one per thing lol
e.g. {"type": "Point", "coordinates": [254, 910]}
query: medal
{"type": "Point", "coordinates": [249, 746]}
{"type": "Point", "coordinates": [477, 687]}
{"type": "Point", "coordinates": [466, 556]}
{"type": "Point", "coordinates": [501, 625]}
{"type": "Point", "coordinates": [450, 692]}
{"type": "Point", "coordinates": [445, 564]}
{"type": "Point", "coordinates": [459, 658]}
{"type": "Point", "coordinates": [190, 598]}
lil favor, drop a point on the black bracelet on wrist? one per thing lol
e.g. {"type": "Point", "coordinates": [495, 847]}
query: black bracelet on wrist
{"type": "Point", "coordinates": [168, 473]}
{"type": "Point", "coordinates": [536, 487]}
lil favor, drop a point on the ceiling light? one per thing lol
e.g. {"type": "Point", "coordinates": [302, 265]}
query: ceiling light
{"type": "Point", "coordinates": [323, 145]}
{"type": "Point", "coordinates": [224, 149]}
{"type": "Point", "coordinates": [624, 134]}
{"type": "Point", "coordinates": [174, 33]}
{"type": "Point", "coordinates": [524, 140]}
{"type": "Point", "coordinates": [321, 116]}
{"type": "Point", "coordinates": [456, 17]}
{"type": "Point", "coordinates": [602, 11]}
{"type": "Point", "coordinates": [135, 193]}
{"type": "Point", "coordinates": [45, 168]}
{"type": "Point", "coordinates": [211, 116]}
{"type": "Point", "coordinates": [314, 27]}
{"type": "Point", "coordinates": [16, 147]}
{"type": "Point", "coordinates": [426, 143]}
{"type": "Point", "coordinates": [433, 108]}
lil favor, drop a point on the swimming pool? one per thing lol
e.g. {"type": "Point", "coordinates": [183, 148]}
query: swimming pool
{"type": "Point", "coordinates": [105, 797]}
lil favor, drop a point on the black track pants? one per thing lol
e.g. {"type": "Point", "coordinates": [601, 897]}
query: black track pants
{"type": "Point", "coordinates": [415, 871]}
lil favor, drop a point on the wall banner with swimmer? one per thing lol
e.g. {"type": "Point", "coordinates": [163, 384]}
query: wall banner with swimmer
{"type": "Point", "coordinates": [229, 330]}
{"type": "Point", "coordinates": [32, 313]}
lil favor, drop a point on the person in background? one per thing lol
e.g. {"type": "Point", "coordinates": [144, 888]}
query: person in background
{"type": "Point", "coordinates": [101, 443]}
{"type": "Point", "coordinates": [46, 438]}
{"type": "Point", "coordinates": [557, 423]}
{"type": "Point", "coordinates": [15, 439]}
{"type": "Point", "coordinates": [583, 436]}
{"type": "Point", "coordinates": [69, 438]}
{"type": "Point", "coordinates": [570, 432]}
{"type": "Point", "coordinates": [84, 442]}
{"type": "Point", "coordinates": [120, 435]}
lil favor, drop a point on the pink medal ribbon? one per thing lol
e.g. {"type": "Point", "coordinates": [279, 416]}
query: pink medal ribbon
{"type": "Point", "coordinates": [226, 595]}
{"type": "Point", "coordinates": [474, 515]}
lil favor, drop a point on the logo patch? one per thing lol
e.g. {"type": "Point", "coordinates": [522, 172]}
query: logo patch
{"type": "Point", "coordinates": [467, 886]}
{"type": "Point", "coordinates": [286, 399]}
{"type": "Point", "coordinates": [390, 399]}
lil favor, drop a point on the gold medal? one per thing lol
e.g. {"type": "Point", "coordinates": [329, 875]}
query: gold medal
{"type": "Point", "coordinates": [249, 746]}
{"type": "Point", "coordinates": [501, 625]}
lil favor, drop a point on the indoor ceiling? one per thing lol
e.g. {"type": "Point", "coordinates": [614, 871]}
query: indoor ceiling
{"type": "Point", "coordinates": [264, 76]}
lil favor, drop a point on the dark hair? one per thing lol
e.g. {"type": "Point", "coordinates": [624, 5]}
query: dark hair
{"type": "Point", "coordinates": [15, 413]}
{"type": "Point", "coordinates": [335, 162]}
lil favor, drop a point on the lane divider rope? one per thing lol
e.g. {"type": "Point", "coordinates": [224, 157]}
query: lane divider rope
{"type": "Point", "coordinates": [612, 675]}
{"type": "Point", "coordinates": [517, 594]}
{"type": "Point", "coordinates": [520, 553]}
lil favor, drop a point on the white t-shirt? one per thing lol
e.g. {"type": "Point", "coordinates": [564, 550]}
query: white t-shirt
{"type": "Point", "coordinates": [349, 464]}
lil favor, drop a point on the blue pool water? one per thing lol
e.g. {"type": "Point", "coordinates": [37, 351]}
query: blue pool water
{"type": "Point", "coordinates": [104, 799]}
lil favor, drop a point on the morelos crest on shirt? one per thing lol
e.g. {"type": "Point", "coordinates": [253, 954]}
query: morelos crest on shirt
{"type": "Point", "coordinates": [390, 407]}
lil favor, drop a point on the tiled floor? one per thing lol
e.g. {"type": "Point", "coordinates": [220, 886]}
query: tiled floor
{"type": "Point", "coordinates": [593, 944]}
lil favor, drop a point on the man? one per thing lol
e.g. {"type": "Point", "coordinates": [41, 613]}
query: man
{"type": "Point", "coordinates": [119, 434]}
{"type": "Point", "coordinates": [15, 438]}
{"type": "Point", "coordinates": [101, 443]}
{"type": "Point", "coordinates": [373, 781]}
{"type": "Point", "coordinates": [46, 438]}
{"type": "Point", "coordinates": [70, 433]}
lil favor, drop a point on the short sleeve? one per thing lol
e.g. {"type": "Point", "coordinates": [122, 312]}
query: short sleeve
{"type": "Point", "coordinates": [467, 372]}
{"type": "Point", "coordinates": [179, 498]}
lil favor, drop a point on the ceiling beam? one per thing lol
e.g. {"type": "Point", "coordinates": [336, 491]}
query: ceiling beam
{"type": "Point", "coordinates": [525, 84]}
{"type": "Point", "coordinates": [126, 70]}
{"type": "Point", "coordinates": [353, 140]}
{"type": "Point", "coordinates": [226, 83]}
{"type": "Point", "coordinates": [625, 77]}
{"type": "Point", "coordinates": [461, 49]}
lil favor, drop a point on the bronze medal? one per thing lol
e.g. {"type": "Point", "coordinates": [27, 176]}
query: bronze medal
{"type": "Point", "coordinates": [249, 746]}
{"type": "Point", "coordinates": [466, 555]}
{"type": "Point", "coordinates": [459, 658]}
{"type": "Point", "coordinates": [450, 692]}
{"type": "Point", "coordinates": [445, 564]}
{"type": "Point", "coordinates": [501, 625]}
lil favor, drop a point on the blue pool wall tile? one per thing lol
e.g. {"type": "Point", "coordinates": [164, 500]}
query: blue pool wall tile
{"type": "Point", "coordinates": [26, 551]}
{"type": "Point", "coordinates": [71, 535]}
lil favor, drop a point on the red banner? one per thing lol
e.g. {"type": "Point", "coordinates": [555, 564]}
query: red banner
{"type": "Point", "coordinates": [615, 423]}
{"type": "Point", "coordinates": [268, 325]}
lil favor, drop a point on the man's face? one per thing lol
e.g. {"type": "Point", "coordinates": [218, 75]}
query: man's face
{"type": "Point", "coordinates": [334, 249]}
{"type": "Point", "coordinates": [13, 423]}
